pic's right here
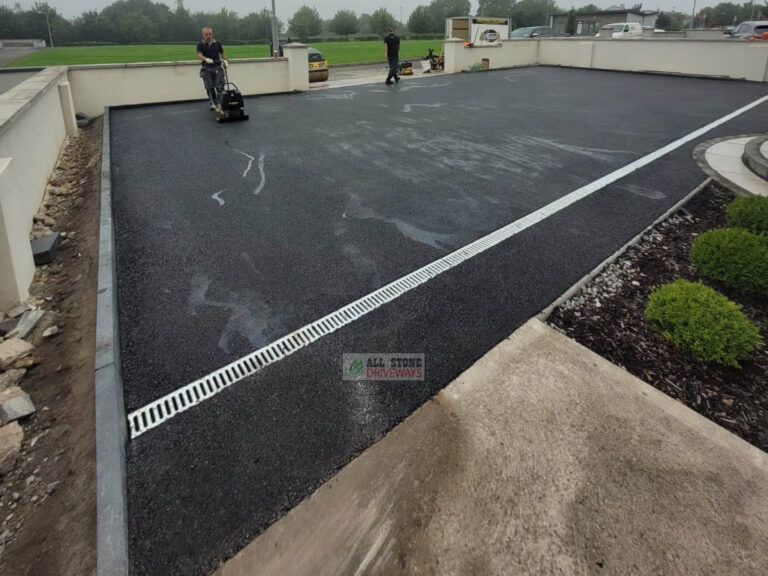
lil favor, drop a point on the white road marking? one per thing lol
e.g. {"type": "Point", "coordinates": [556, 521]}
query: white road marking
{"type": "Point", "coordinates": [260, 187]}
{"type": "Point", "coordinates": [250, 160]}
{"type": "Point", "coordinates": [184, 398]}
{"type": "Point", "coordinates": [218, 198]}
{"type": "Point", "coordinates": [409, 107]}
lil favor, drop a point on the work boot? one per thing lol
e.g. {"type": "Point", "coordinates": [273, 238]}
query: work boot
{"type": "Point", "coordinates": [397, 78]}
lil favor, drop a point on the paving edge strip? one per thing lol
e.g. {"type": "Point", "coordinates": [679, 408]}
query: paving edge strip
{"type": "Point", "coordinates": [699, 155]}
{"type": "Point", "coordinates": [111, 432]}
{"type": "Point", "coordinates": [597, 270]}
{"type": "Point", "coordinates": [754, 159]}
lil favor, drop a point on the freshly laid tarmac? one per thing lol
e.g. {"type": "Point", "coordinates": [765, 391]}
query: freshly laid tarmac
{"type": "Point", "coordinates": [542, 458]}
{"type": "Point", "coordinates": [206, 483]}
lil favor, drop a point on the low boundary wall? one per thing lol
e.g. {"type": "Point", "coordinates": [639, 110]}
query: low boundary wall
{"type": "Point", "coordinates": [98, 86]}
{"type": "Point", "coordinates": [736, 59]}
{"type": "Point", "coordinates": [35, 117]}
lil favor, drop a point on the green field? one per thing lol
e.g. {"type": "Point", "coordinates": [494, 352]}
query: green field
{"type": "Point", "coordinates": [335, 52]}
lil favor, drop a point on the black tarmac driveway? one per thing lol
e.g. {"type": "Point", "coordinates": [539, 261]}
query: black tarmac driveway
{"type": "Point", "coordinates": [231, 236]}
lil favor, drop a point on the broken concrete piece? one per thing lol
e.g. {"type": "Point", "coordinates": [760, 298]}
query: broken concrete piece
{"type": "Point", "coordinates": [11, 378]}
{"type": "Point", "coordinates": [45, 248]}
{"type": "Point", "coordinates": [26, 362]}
{"type": "Point", "coordinates": [14, 404]}
{"type": "Point", "coordinates": [18, 310]}
{"type": "Point", "coordinates": [11, 438]}
{"type": "Point", "coordinates": [13, 349]}
{"type": "Point", "coordinates": [57, 190]}
{"type": "Point", "coordinates": [8, 325]}
{"type": "Point", "coordinates": [52, 331]}
{"type": "Point", "coordinates": [44, 219]}
{"type": "Point", "coordinates": [27, 323]}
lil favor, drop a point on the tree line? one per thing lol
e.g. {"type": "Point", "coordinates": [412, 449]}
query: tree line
{"type": "Point", "coordinates": [147, 22]}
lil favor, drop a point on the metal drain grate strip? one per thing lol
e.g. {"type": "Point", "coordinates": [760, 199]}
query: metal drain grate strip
{"type": "Point", "coordinates": [184, 398]}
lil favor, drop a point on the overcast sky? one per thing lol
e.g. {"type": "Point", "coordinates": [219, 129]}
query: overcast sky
{"type": "Point", "coordinates": [327, 8]}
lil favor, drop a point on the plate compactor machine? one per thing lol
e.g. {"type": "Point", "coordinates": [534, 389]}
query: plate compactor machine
{"type": "Point", "coordinates": [229, 101]}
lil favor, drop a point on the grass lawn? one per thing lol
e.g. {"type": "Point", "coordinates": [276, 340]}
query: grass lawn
{"type": "Point", "coordinates": [335, 52]}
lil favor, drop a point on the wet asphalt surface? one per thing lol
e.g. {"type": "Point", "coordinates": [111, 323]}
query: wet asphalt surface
{"type": "Point", "coordinates": [231, 236]}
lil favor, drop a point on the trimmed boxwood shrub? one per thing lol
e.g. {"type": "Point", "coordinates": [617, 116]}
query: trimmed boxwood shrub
{"type": "Point", "coordinates": [702, 322]}
{"type": "Point", "coordinates": [733, 256]}
{"type": "Point", "coordinates": [750, 213]}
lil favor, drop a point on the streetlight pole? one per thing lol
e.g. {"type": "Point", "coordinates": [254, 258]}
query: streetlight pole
{"type": "Point", "coordinates": [275, 39]}
{"type": "Point", "coordinates": [693, 15]}
{"type": "Point", "coordinates": [48, 25]}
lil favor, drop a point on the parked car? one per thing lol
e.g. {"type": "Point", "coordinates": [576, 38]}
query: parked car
{"type": "Point", "coordinates": [531, 32]}
{"type": "Point", "coordinates": [622, 30]}
{"type": "Point", "coordinates": [749, 30]}
{"type": "Point", "coordinates": [318, 65]}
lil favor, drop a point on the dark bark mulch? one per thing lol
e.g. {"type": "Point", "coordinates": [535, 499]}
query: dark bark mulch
{"type": "Point", "coordinates": [607, 316]}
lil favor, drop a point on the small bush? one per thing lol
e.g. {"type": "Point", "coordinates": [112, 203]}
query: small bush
{"type": "Point", "coordinates": [733, 256]}
{"type": "Point", "coordinates": [702, 322]}
{"type": "Point", "coordinates": [749, 213]}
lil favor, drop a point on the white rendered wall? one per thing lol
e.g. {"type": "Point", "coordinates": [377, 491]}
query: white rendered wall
{"type": "Point", "coordinates": [95, 87]}
{"type": "Point", "coordinates": [16, 265]}
{"type": "Point", "coordinates": [32, 131]}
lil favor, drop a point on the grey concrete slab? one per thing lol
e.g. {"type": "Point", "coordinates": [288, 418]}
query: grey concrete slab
{"type": "Point", "coordinates": [542, 458]}
{"type": "Point", "coordinates": [8, 55]}
{"type": "Point", "coordinates": [356, 192]}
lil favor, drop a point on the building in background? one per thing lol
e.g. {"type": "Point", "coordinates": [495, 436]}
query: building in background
{"type": "Point", "coordinates": [589, 23]}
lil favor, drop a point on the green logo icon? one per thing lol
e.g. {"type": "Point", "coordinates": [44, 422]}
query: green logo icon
{"type": "Point", "coordinates": [356, 368]}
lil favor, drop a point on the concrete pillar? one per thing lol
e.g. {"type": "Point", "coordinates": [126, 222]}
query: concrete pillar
{"type": "Point", "coordinates": [453, 49]}
{"type": "Point", "coordinates": [17, 266]}
{"type": "Point", "coordinates": [67, 108]}
{"type": "Point", "coordinates": [298, 66]}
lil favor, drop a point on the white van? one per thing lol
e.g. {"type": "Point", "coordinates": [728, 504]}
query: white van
{"type": "Point", "coordinates": [622, 30]}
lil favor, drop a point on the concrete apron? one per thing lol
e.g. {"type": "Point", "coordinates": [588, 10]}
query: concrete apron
{"type": "Point", "coordinates": [541, 458]}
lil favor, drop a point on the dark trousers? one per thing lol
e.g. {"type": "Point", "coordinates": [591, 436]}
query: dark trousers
{"type": "Point", "coordinates": [392, 69]}
{"type": "Point", "coordinates": [213, 79]}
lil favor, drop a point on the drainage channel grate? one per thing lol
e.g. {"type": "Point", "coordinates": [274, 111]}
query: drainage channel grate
{"type": "Point", "coordinates": [184, 398]}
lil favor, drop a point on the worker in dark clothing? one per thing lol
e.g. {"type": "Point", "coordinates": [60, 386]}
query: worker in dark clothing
{"type": "Point", "coordinates": [392, 52]}
{"type": "Point", "coordinates": [211, 54]}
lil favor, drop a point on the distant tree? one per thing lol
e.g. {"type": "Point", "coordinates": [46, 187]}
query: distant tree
{"type": "Point", "coordinates": [257, 27]}
{"type": "Point", "coordinates": [663, 21]}
{"type": "Point", "coordinates": [344, 23]}
{"type": "Point", "coordinates": [86, 27]}
{"type": "Point", "coordinates": [364, 24]}
{"type": "Point", "coordinates": [570, 25]}
{"type": "Point", "coordinates": [499, 8]}
{"type": "Point", "coordinates": [381, 20]}
{"type": "Point", "coordinates": [443, 9]}
{"type": "Point", "coordinates": [420, 20]}
{"type": "Point", "coordinates": [181, 26]}
{"type": "Point", "coordinates": [588, 8]}
{"type": "Point", "coordinates": [534, 12]}
{"type": "Point", "coordinates": [306, 22]}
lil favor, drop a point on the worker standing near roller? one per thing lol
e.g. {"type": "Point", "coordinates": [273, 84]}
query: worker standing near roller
{"type": "Point", "coordinates": [211, 53]}
{"type": "Point", "coordinates": [392, 52]}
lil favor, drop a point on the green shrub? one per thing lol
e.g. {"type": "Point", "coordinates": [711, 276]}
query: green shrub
{"type": "Point", "coordinates": [750, 213]}
{"type": "Point", "coordinates": [733, 256]}
{"type": "Point", "coordinates": [702, 322]}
